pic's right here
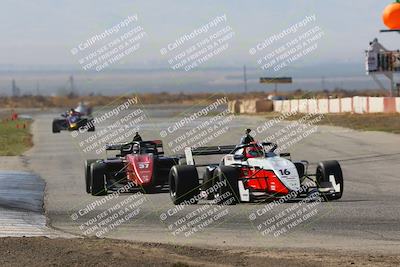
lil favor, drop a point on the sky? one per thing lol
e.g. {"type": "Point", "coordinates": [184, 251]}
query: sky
{"type": "Point", "coordinates": [40, 34]}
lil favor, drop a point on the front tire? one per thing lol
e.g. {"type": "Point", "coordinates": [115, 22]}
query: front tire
{"type": "Point", "coordinates": [55, 127]}
{"type": "Point", "coordinates": [88, 175]}
{"type": "Point", "coordinates": [183, 184]}
{"type": "Point", "coordinates": [98, 177]}
{"type": "Point", "coordinates": [228, 192]}
{"type": "Point", "coordinates": [325, 171]}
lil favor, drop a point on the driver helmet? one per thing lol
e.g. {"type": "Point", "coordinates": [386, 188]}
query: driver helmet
{"type": "Point", "coordinates": [254, 150]}
{"type": "Point", "coordinates": [135, 148]}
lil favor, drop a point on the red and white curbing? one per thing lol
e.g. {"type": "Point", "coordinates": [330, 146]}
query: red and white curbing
{"type": "Point", "coordinates": [357, 104]}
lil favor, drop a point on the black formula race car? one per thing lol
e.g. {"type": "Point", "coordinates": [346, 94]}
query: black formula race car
{"type": "Point", "coordinates": [73, 121]}
{"type": "Point", "coordinates": [251, 173]}
{"type": "Point", "coordinates": [141, 163]}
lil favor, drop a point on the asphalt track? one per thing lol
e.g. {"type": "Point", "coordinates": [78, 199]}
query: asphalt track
{"type": "Point", "coordinates": [366, 218]}
{"type": "Point", "coordinates": [21, 206]}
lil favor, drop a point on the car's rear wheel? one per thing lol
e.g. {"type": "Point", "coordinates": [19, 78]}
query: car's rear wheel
{"type": "Point", "coordinates": [88, 177]}
{"type": "Point", "coordinates": [98, 177]}
{"type": "Point", "coordinates": [183, 184]}
{"type": "Point", "coordinates": [91, 127]}
{"type": "Point", "coordinates": [329, 173]}
{"type": "Point", "coordinates": [228, 191]}
{"type": "Point", "coordinates": [208, 182]}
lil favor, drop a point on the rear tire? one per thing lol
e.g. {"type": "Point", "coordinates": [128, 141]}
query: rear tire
{"type": "Point", "coordinates": [324, 170]}
{"type": "Point", "coordinates": [91, 126]}
{"type": "Point", "coordinates": [230, 191]}
{"type": "Point", "coordinates": [183, 184]}
{"type": "Point", "coordinates": [88, 177]}
{"type": "Point", "coordinates": [208, 182]}
{"type": "Point", "coordinates": [98, 176]}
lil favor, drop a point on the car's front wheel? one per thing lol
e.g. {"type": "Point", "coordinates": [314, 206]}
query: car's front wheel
{"type": "Point", "coordinates": [98, 179]}
{"type": "Point", "coordinates": [88, 177]}
{"type": "Point", "coordinates": [329, 175]}
{"type": "Point", "coordinates": [228, 186]}
{"type": "Point", "coordinates": [55, 126]}
{"type": "Point", "coordinates": [184, 184]}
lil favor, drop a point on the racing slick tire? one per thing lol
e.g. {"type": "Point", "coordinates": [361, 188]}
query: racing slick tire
{"type": "Point", "coordinates": [55, 126]}
{"type": "Point", "coordinates": [183, 184]}
{"type": "Point", "coordinates": [325, 170]}
{"type": "Point", "coordinates": [91, 127]}
{"type": "Point", "coordinates": [88, 176]}
{"type": "Point", "coordinates": [228, 194]}
{"type": "Point", "coordinates": [98, 182]}
{"type": "Point", "coordinates": [208, 181]}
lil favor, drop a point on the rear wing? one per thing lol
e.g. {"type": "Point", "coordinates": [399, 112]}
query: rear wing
{"type": "Point", "coordinates": [118, 146]}
{"type": "Point", "coordinates": [159, 146]}
{"type": "Point", "coordinates": [207, 150]}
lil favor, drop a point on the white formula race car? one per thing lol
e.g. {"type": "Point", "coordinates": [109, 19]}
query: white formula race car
{"type": "Point", "coordinates": [252, 173]}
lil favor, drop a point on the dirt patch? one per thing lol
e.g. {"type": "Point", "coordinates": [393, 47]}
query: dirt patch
{"type": "Point", "coordinates": [41, 251]}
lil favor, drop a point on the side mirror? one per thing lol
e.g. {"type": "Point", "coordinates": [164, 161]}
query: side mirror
{"type": "Point", "coordinates": [238, 157]}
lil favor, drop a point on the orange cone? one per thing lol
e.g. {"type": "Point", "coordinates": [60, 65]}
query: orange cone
{"type": "Point", "coordinates": [391, 16]}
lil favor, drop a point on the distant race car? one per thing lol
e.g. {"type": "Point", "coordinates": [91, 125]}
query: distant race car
{"type": "Point", "coordinates": [252, 172]}
{"type": "Point", "coordinates": [141, 163]}
{"type": "Point", "coordinates": [73, 121]}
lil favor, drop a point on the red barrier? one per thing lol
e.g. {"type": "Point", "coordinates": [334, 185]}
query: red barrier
{"type": "Point", "coordinates": [389, 104]}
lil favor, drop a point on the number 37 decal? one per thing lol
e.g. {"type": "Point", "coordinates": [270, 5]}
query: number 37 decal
{"type": "Point", "coordinates": [144, 165]}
